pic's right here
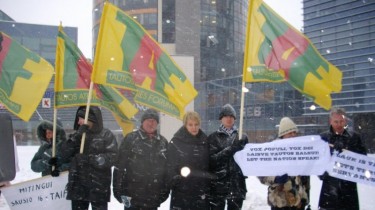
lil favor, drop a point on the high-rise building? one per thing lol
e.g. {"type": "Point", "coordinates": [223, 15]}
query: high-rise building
{"type": "Point", "coordinates": [214, 33]}
{"type": "Point", "coordinates": [343, 31]}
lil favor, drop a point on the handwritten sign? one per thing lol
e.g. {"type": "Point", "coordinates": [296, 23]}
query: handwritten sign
{"type": "Point", "coordinates": [305, 155]}
{"type": "Point", "coordinates": [43, 193]}
{"type": "Point", "coordinates": [353, 167]}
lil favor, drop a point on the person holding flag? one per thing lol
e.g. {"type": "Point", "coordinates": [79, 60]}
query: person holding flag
{"type": "Point", "coordinates": [229, 186]}
{"type": "Point", "coordinates": [43, 160]}
{"type": "Point", "coordinates": [90, 172]}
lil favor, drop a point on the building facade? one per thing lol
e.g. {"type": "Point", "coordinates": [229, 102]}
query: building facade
{"type": "Point", "coordinates": [343, 31]}
{"type": "Point", "coordinates": [214, 33]}
{"type": "Point", "coordinates": [40, 39]}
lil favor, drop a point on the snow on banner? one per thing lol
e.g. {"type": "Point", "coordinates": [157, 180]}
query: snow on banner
{"type": "Point", "coordinates": [305, 155]}
{"type": "Point", "coordinates": [353, 167]}
{"type": "Point", "coordinates": [42, 193]}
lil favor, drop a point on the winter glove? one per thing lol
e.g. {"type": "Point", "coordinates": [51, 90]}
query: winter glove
{"type": "Point", "coordinates": [163, 196]}
{"type": "Point", "coordinates": [338, 146]}
{"type": "Point", "coordinates": [55, 173]}
{"type": "Point", "coordinates": [77, 136]}
{"type": "Point", "coordinates": [243, 141]}
{"type": "Point", "coordinates": [52, 161]}
{"type": "Point", "coordinates": [117, 195]}
{"type": "Point", "coordinates": [281, 179]}
{"type": "Point", "coordinates": [324, 176]}
{"type": "Point", "coordinates": [308, 207]}
{"type": "Point", "coordinates": [83, 129]}
{"type": "Point", "coordinates": [126, 201]}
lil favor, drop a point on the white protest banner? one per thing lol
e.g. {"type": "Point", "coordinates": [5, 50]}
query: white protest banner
{"type": "Point", "coordinates": [42, 193]}
{"type": "Point", "coordinates": [353, 167]}
{"type": "Point", "coordinates": [305, 155]}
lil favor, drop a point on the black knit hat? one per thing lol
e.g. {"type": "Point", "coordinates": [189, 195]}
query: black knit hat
{"type": "Point", "coordinates": [227, 110]}
{"type": "Point", "coordinates": [82, 111]}
{"type": "Point", "coordinates": [150, 114]}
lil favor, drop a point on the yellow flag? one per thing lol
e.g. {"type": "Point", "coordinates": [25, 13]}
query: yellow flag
{"type": "Point", "coordinates": [24, 78]}
{"type": "Point", "coordinates": [275, 47]}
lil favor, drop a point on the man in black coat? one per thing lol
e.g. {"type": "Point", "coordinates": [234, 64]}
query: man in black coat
{"type": "Point", "coordinates": [337, 194]}
{"type": "Point", "coordinates": [140, 175]}
{"type": "Point", "coordinates": [229, 186]}
{"type": "Point", "coordinates": [90, 171]}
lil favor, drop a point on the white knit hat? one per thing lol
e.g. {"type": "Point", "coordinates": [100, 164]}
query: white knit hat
{"type": "Point", "coordinates": [286, 126]}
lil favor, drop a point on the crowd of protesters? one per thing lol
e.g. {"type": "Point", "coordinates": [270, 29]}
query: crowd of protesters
{"type": "Point", "coordinates": [197, 170]}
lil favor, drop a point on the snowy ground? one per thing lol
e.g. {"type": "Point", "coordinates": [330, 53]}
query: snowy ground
{"type": "Point", "coordinates": [256, 196]}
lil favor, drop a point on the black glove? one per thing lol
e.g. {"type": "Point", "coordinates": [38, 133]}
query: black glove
{"type": "Point", "coordinates": [244, 140]}
{"type": "Point", "coordinates": [52, 161]}
{"type": "Point", "coordinates": [308, 207]}
{"type": "Point", "coordinates": [238, 145]}
{"type": "Point", "coordinates": [338, 146]}
{"type": "Point", "coordinates": [83, 129]}
{"type": "Point", "coordinates": [55, 173]}
{"type": "Point", "coordinates": [117, 195]}
{"type": "Point", "coordinates": [324, 176]}
{"type": "Point", "coordinates": [281, 179]}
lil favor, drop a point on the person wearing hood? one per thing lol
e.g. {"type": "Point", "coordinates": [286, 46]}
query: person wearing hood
{"type": "Point", "coordinates": [229, 187]}
{"type": "Point", "coordinates": [338, 194]}
{"type": "Point", "coordinates": [90, 173]}
{"type": "Point", "coordinates": [43, 161]}
{"type": "Point", "coordinates": [287, 192]}
{"type": "Point", "coordinates": [188, 166]}
{"type": "Point", "coordinates": [140, 175]}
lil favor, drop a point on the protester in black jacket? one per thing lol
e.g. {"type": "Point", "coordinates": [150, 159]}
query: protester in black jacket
{"type": "Point", "coordinates": [229, 186]}
{"type": "Point", "coordinates": [43, 160]}
{"type": "Point", "coordinates": [140, 175]}
{"type": "Point", "coordinates": [337, 194]}
{"type": "Point", "coordinates": [90, 171]}
{"type": "Point", "coordinates": [188, 166]}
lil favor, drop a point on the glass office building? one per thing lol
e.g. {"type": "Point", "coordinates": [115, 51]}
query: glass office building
{"type": "Point", "coordinates": [344, 33]}
{"type": "Point", "coordinates": [214, 33]}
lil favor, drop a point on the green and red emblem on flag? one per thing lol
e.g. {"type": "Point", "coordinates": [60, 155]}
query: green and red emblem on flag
{"type": "Point", "coordinates": [274, 45]}
{"type": "Point", "coordinates": [73, 77]}
{"type": "Point", "coordinates": [24, 78]}
{"type": "Point", "coordinates": [128, 57]}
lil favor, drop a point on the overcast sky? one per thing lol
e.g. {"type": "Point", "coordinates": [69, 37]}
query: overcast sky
{"type": "Point", "coordinates": [78, 13]}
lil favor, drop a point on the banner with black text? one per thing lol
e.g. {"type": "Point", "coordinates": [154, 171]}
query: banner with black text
{"type": "Point", "coordinates": [42, 193]}
{"type": "Point", "coordinates": [305, 155]}
{"type": "Point", "coordinates": [353, 167]}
